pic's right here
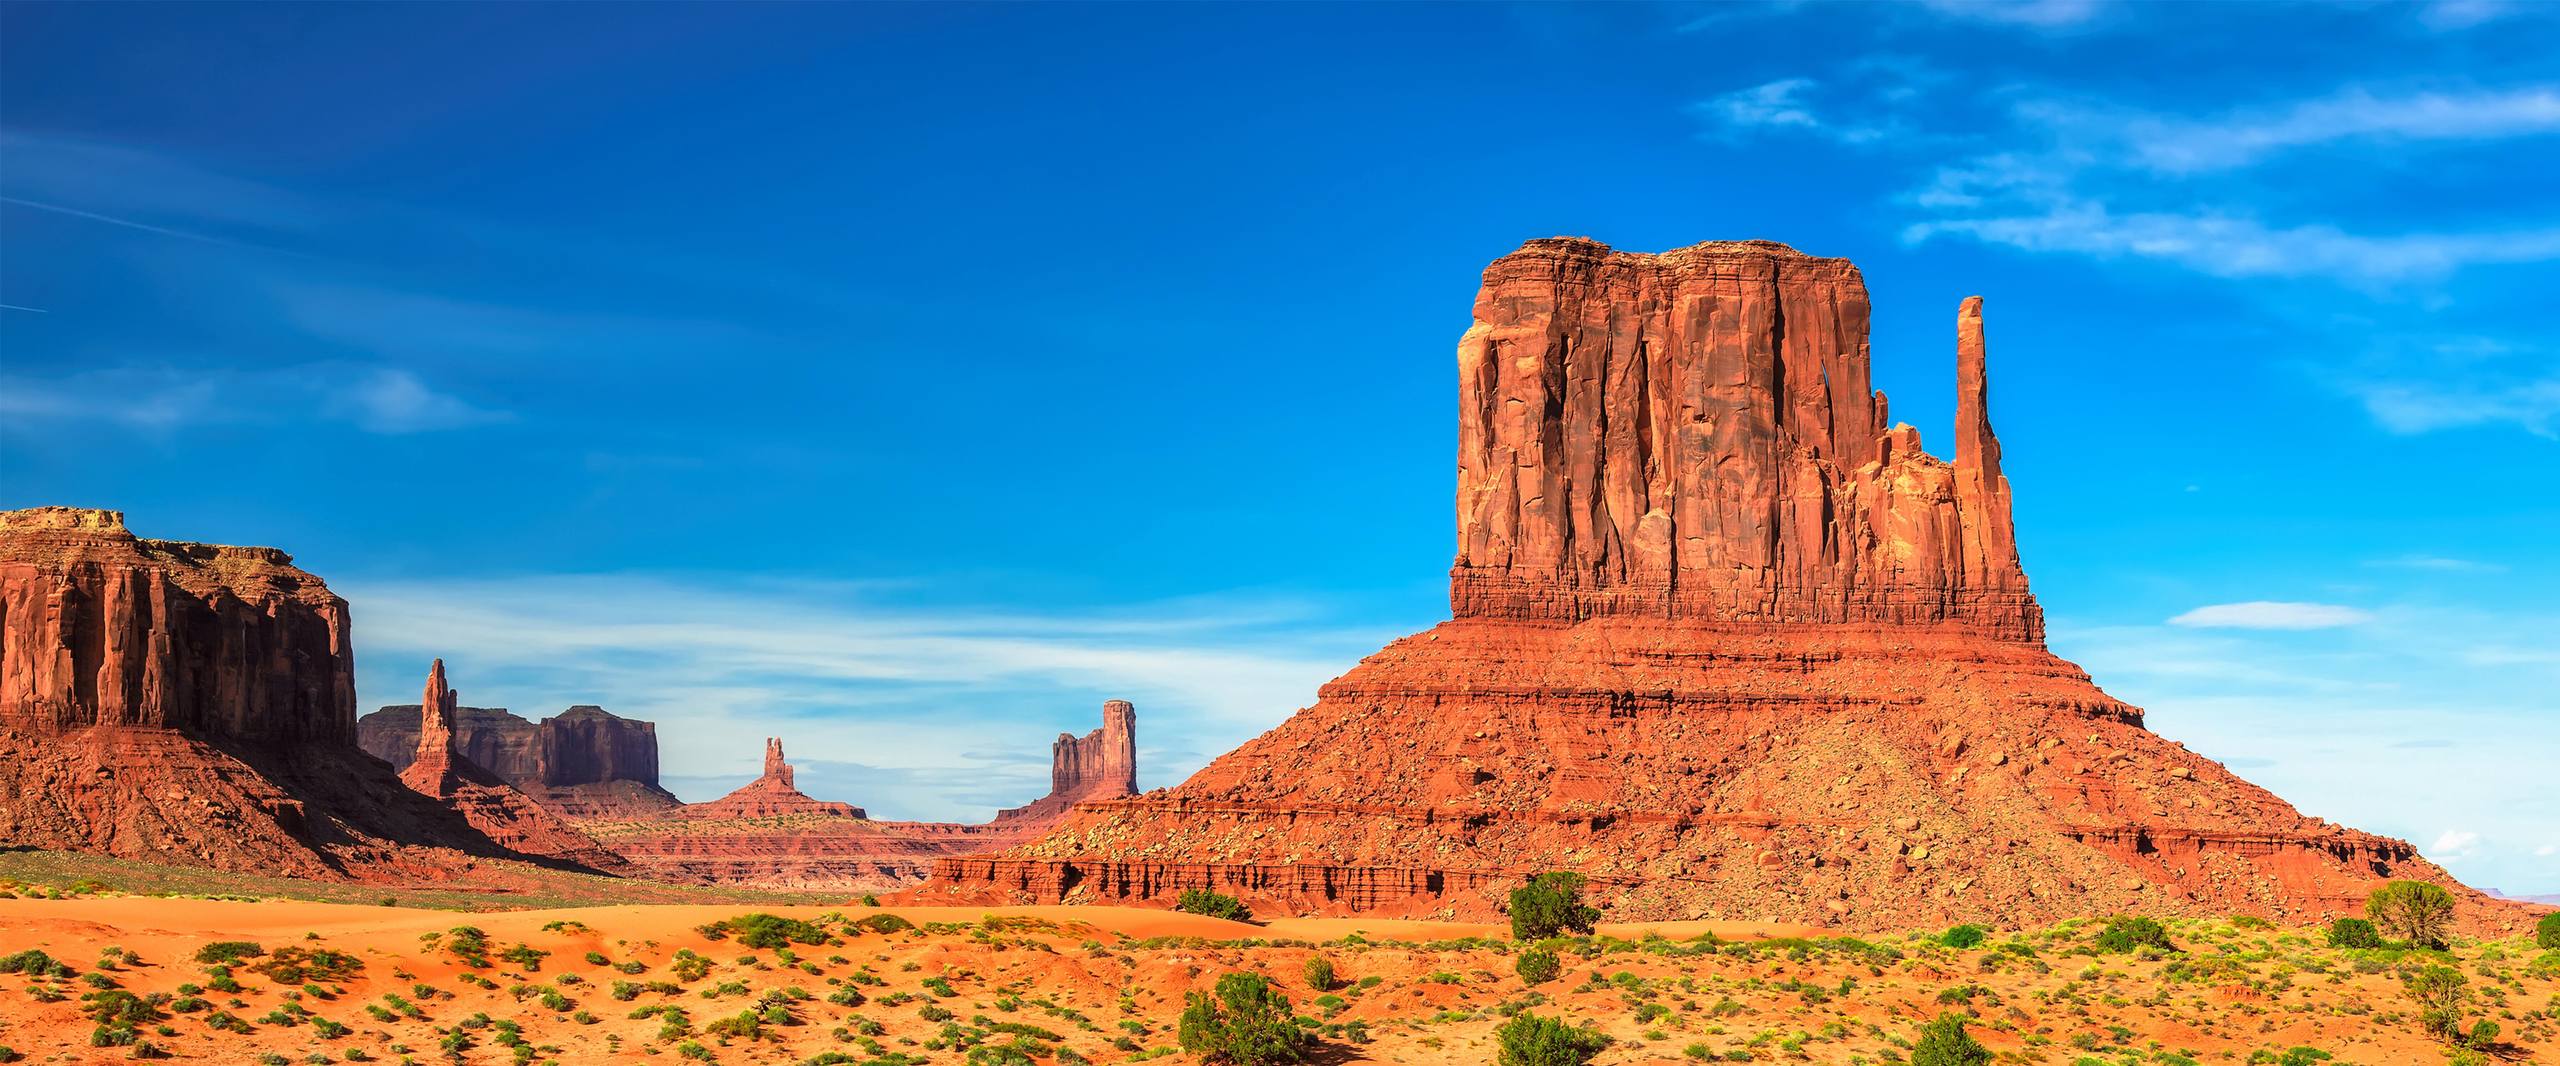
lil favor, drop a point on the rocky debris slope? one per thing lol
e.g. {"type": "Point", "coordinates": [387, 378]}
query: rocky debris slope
{"type": "Point", "coordinates": [1726, 642]}
{"type": "Point", "coordinates": [582, 763]}
{"type": "Point", "coordinates": [1102, 764]}
{"type": "Point", "coordinates": [193, 704]}
{"type": "Point", "coordinates": [484, 799]}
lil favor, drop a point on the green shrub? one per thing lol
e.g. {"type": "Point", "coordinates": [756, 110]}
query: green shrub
{"type": "Point", "coordinates": [299, 966]}
{"type": "Point", "coordinates": [2124, 933]}
{"type": "Point", "coordinates": [2353, 933]}
{"type": "Point", "coordinates": [1320, 973]}
{"type": "Point", "coordinates": [222, 952]}
{"type": "Point", "coordinates": [2546, 933]}
{"type": "Point", "coordinates": [33, 963]}
{"type": "Point", "coordinates": [1962, 936]}
{"type": "Point", "coordinates": [1537, 966]}
{"type": "Point", "coordinates": [1212, 904]}
{"type": "Point", "coordinates": [2440, 992]}
{"type": "Point", "coordinates": [1945, 1043]}
{"type": "Point", "coordinates": [1246, 1023]}
{"type": "Point", "coordinates": [886, 923]}
{"type": "Point", "coordinates": [1550, 905]}
{"type": "Point", "coordinates": [2415, 911]}
{"type": "Point", "coordinates": [1532, 1040]}
{"type": "Point", "coordinates": [762, 930]}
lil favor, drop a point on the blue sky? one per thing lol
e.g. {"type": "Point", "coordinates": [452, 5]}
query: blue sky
{"type": "Point", "coordinates": [907, 380]}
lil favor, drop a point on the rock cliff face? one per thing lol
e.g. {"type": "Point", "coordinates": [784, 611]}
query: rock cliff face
{"type": "Point", "coordinates": [582, 763]}
{"type": "Point", "coordinates": [193, 704]}
{"type": "Point", "coordinates": [1724, 641]}
{"type": "Point", "coordinates": [1102, 764]}
{"type": "Point", "coordinates": [1692, 435]}
{"type": "Point", "coordinates": [106, 629]}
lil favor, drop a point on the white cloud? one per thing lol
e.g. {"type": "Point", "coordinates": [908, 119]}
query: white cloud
{"type": "Point", "coordinates": [166, 399]}
{"type": "Point", "coordinates": [2452, 845]}
{"type": "Point", "coordinates": [2271, 614]}
{"type": "Point", "coordinates": [2546, 851]}
{"type": "Point", "coordinates": [1780, 104]}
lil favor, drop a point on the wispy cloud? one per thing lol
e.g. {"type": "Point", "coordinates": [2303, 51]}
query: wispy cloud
{"type": "Point", "coordinates": [2237, 246]}
{"type": "Point", "coordinates": [2271, 614]}
{"type": "Point", "coordinates": [2039, 14]}
{"type": "Point", "coordinates": [1779, 104]}
{"type": "Point", "coordinates": [2181, 145]}
{"type": "Point", "coordinates": [166, 399]}
{"type": "Point", "coordinates": [2421, 561]}
{"type": "Point", "coordinates": [2421, 406]}
{"type": "Point", "coordinates": [848, 674]}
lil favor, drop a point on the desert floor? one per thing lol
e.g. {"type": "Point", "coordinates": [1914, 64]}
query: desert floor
{"type": "Point", "coordinates": [1069, 984]}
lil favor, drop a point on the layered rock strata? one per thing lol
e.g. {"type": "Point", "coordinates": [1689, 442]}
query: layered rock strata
{"type": "Point", "coordinates": [1102, 764]}
{"type": "Point", "coordinates": [1723, 640]}
{"type": "Point", "coordinates": [193, 704]}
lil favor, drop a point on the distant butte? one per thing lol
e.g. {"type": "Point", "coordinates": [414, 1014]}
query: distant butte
{"type": "Point", "coordinates": [1725, 640]}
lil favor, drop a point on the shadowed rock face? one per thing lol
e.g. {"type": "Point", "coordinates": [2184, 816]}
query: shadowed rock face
{"type": "Point", "coordinates": [583, 762]}
{"type": "Point", "coordinates": [193, 704]}
{"type": "Point", "coordinates": [103, 628]}
{"type": "Point", "coordinates": [1725, 641]}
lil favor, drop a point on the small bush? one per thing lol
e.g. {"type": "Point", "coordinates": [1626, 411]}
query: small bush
{"type": "Point", "coordinates": [2125, 933]}
{"type": "Point", "coordinates": [1246, 1023]}
{"type": "Point", "coordinates": [33, 963]}
{"type": "Point", "coordinates": [1962, 936]}
{"type": "Point", "coordinates": [224, 952]}
{"type": "Point", "coordinates": [762, 930]}
{"type": "Point", "coordinates": [1550, 905]}
{"type": "Point", "coordinates": [2353, 933]}
{"type": "Point", "coordinates": [1320, 973]}
{"type": "Point", "coordinates": [1532, 1040]}
{"type": "Point", "coordinates": [298, 966]}
{"type": "Point", "coordinates": [1201, 901]}
{"type": "Point", "coordinates": [1945, 1043]}
{"type": "Point", "coordinates": [886, 923]}
{"type": "Point", "coordinates": [2546, 933]}
{"type": "Point", "coordinates": [2440, 993]}
{"type": "Point", "coordinates": [2415, 911]}
{"type": "Point", "coordinates": [1537, 966]}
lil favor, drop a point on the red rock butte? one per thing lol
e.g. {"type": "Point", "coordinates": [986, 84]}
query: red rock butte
{"type": "Point", "coordinates": [194, 704]}
{"type": "Point", "coordinates": [1726, 641]}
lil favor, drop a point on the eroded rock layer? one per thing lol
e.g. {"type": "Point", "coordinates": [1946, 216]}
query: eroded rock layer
{"type": "Point", "coordinates": [193, 704]}
{"type": "Point", "coordinates": [1725, 642]}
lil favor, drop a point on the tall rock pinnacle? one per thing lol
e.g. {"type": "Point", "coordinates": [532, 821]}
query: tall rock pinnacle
{"type": "Point", "coordinates": [774, 768]}
{"type": "Point", "coordinates": [1990, 541]}
{"type": "Point", "coordinates": [432, 772]}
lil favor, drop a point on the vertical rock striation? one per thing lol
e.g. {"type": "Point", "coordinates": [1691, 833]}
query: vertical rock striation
{"type": "Point", "coordinates": [102, 628]}
{"type": "Point", "coordinates": [1692, 435]}
{"type": "Point", "coordinates": [1102, 764]}
{"type": "Point", "coordinates": [1725, 641]}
